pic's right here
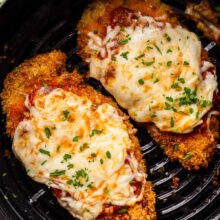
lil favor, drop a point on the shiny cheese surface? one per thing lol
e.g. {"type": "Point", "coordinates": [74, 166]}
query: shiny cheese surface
{"type": "Point", "coordinates": [155, 71]}
{"type": "Point", "coordinates": [68, 143]}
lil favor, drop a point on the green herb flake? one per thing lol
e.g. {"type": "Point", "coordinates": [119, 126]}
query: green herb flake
{"type": "Point", "coordinates": [95, 131]}
{"type": "Point", "coordinates": [47, 132]}
{"type": "Point", "coordinates": [58, 173]}
{"type": "Point", "coordinates": [156, 80]}
{"type": "Point", "coordinates": [46, 85]}
{"type": "Point", "coordinates": [188, 155]}
{"type": "Point", "coordinates": [191, 110]}
{"type": "Point", "coordinates": [101, 161]}
{"type": "Point", "coordinates": [125, 55]}
{"type": "Point", "coordinates": [197, 115]}
{"type": "Point", "coordinates": [171, 122]}
{"type": "Point", "coordinates": [176, 147]}
{"type": "Point", "coordinates": [70, 166]}
{"type": "Point", "coordinates": [139, 57]}
{"type": "Point", "coordinates": [149, 47]}
{"type": "Point", "coordinates": [122, 211]}
{"type": "Point", "coordinates": [182, 80]}
{"type": "Point", "coordinates": [169, 51]}
{"type": "Point", "coordinates": [67, 157]}
{"type": "Point", "coordinates": [169, 63]}
{"type": "Point", "coordinates": [141, 81]}
{"type": "Point", "coordinates": [43, 162]}
{"type": "Point", "coordinates": [186, 63]}
{"type": "Point", "coordinates": [123, 42]}
{"type": "Point", "coordinates": [106, 191]}
{"type": "Point", "coordinates": [66, 114]}
{"type": "Point", "coordinates": [90, 186]}
{"type": "Point", "coordinates": [158, 49]}
{"type": "Point", "coordinates": [93, 155]}
{"type": "Point", "coordinates": [175, 86]}
{"type": "Point", "coordinates": [84, 146]}
{"type": "Point", "coordinates": [148, 63]}
{"type": "Point", "coordinates": [167, 106]}
{"type": "Point", "coordinates": [76, 139]}
{"type": "Point", "coordinates": [114, 59]}
{"type": "Point", "coordinates": [43, 151]}
{"type": "Point", "coordinates": [170, 99]}
{"type": "Point", "coordinates": [108, 154]}
{"type": "Point", "coordinates": [206, 103]}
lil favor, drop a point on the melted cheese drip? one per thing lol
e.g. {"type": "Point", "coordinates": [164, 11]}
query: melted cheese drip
{"type": "Point", "coordinates": [148, 71]}
{"type": "Point", "coordinates": [109, 179]}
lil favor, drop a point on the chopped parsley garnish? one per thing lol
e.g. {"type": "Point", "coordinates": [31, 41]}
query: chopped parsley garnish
{"type": "Point", "coordinates": [139, 57]}
{"type": "Point", "coordinates": [122, 211]}
{"type": "Point", "coordinates": [79, 178]}
{"type": "Point", "coordinates": [158, 49]}
{"type": "Point", "coordinates": [197, 115]}
{"type": "Point", "coordinates": [168, 37]}
{"type": "Point", "coordinates": [205, 103]}
{"type": "Point", "coordinates": [125, 55]}
{"type": "Point", "coordinates": [141, 81]}
{"type": "Point", "coordinates": [156, 80]}
{"type": "Point", "coordinates": [76, 139]}
{"type": "Point", "coordinates": [43, 162]}
{"type": "Point", "coordinates": [93, 155]}
{"type": "Point", "coordinates": [171, 122]}
{"type": "Point", "coordinates": [191, 110]}
{"type": "Point", "coordinates": [90, 186]}
{"type": "Point", "coordinates": [123, 42]}
{"type": "Point", "coordinates": [108, 154]}
{"type": "Point", "coordinates": [84, 146]}
{"type": "Point", "coordinates": [167, 106]}
{"type": "Point", "coordinates": [106, 191]}
{"type": "Point", "coordinates": [168, 98]}
{"type": "Point", "coordinates": [148, 63]}
{"type": "Point", "coordinates": [175, 86]}
{"type": "Point", "coordinates": [182, 80]}
{"type": "Point", "coordinates": [149, 47]}
{"type": "Point", "coordinates": [95, 131]}
{"type": "Point", "coordinates": [70, 166]}
{"type": "Point", "coordinates": [67, 156]}
{"type": "Point", "coordinates": [58, 173]}
{"type": "Point", "coordinates": [169, 63]}
{"type": "Point", "coordinates": [44, 152]}
{"type": "Point", "coordinates": [189, 97]}
{"type": "Point", "coordinates": [114, 59]}
{"type": "Point", "coordinates": [176, 147]}
{"type": "Point", "coordinates": [109, 40]}
{"type": "Point", "coordinates": [101, 161]}
{"type": "Point", "coordinates": [47, 132]}
{"type": "Point", "coordinates": [45, 84]}
{"type": "Point", "coordinates": [169, 51]}
{"type": "Point", "coordinates": [188, 155]}
{"type": "Point", "coordinates": [186, 63]}
{"type": "Point", "coordinates": [66, 114]}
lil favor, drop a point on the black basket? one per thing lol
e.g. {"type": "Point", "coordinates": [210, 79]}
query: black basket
{"type": "Point", "coordinates": [32, 27]}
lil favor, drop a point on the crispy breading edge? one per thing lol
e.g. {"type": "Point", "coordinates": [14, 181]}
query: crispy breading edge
{"type": "Point", "coordinates": [201, 144]}
{"type": "Point", "coordinates": [49, 69]}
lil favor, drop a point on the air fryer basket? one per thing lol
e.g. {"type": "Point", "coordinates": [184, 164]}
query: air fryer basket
{"type": "Point", "coordinates": [32, 27]}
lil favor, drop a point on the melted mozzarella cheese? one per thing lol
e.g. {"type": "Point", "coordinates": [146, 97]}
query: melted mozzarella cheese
{"type": "Point", "coordinates": [154, 71]}
{"type": "Point", "coordinates": [70, 144]}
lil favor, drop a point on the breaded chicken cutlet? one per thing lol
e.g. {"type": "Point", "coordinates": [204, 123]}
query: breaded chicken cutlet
{"type": "Point", "coordinates": [76, 141]}
{"type": "Point", "coordinates": [158, 71]}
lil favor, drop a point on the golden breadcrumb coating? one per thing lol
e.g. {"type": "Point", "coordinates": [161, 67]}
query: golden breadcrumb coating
{"type": "Point", "coordinates": [49, 69]}
{"type": "Point", "coordinates": [193, 150]}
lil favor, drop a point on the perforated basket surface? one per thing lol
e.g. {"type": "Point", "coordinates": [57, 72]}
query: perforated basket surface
{"type": "Point", "coordinates": [31, 27]}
